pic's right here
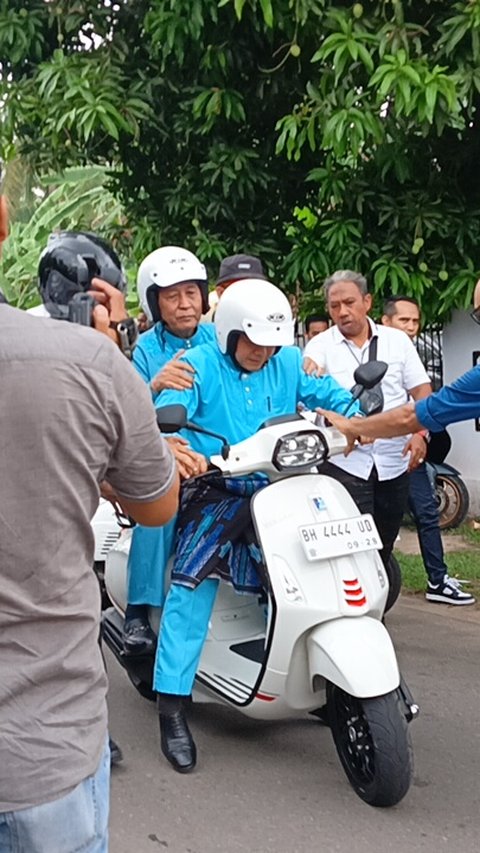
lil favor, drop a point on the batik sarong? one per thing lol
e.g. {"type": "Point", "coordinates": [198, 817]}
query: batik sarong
{"type": "Point", "coordinates": [215, 535]}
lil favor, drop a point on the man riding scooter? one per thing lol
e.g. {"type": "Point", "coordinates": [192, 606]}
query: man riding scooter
{"type": "Point", "coordinates": [239, 382]}
{"type": "Point", "coordinates": [172, 289]}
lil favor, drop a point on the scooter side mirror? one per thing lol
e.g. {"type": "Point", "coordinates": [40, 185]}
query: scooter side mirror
{"type": "Point", "coordinates": [367, 375]}
{"type": "Point", "coordinates": [174, 418]}
{"type": "Point", "coordinates": [171, 418]}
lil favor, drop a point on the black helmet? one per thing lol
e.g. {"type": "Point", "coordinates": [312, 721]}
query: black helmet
{"type": "Point", "coordinates": [67, 265]}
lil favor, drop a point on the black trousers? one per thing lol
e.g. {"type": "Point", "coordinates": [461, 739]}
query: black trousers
{"type": "Point", "coordinates": [386, 500]}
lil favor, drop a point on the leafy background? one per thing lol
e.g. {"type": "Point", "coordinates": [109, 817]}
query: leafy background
{"type": "Point", "coordinates": [317, 135]}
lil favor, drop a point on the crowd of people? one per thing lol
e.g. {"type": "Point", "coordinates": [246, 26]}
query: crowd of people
{"type": "Point", "coordinates": [85, 425]}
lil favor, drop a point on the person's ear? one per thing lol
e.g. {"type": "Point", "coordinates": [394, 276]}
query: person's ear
{"type": "Point", "coordinates": [386, 320]}
{"type": "Point", "coordinates": [220, 288]}
{"type": "Point", "coordinates": [367, 299]}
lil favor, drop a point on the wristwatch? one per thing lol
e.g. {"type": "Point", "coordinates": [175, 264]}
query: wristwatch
{"type": "Point", "coordinates": [127, 331]}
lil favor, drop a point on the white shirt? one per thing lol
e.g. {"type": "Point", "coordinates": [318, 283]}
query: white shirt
{"type": "Point", "coordinates": [38, 311]}
{"type": "Point", "coordinates": [340, 358]}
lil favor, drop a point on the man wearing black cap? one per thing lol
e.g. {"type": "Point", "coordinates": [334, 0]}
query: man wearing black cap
{"type": "Point", "coordinates": [232, 269]}
{"type": "Point", "coordinates": [236, 267]}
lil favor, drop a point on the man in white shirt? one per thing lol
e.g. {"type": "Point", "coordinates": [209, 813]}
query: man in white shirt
{"type": "Point", "coordinates": [376, 475]}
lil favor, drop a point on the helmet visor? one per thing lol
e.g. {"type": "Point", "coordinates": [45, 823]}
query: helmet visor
{"type": "Point", "coordinates": [276, 332]}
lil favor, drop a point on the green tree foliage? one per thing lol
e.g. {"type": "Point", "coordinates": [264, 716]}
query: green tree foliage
{"type": "Point", "coordinates": [317, 134]}
{"type": "Point", "coordinates": [76, 199]}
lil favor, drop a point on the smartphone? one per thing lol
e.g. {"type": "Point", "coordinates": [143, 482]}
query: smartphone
{"type": "Point", "coordinates": [80, 309]}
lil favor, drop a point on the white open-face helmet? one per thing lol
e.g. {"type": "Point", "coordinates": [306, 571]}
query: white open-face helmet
{"type": "Point", "coordinates": [256, 308]}
{"type": "Point", "coordinates": [163, 268]}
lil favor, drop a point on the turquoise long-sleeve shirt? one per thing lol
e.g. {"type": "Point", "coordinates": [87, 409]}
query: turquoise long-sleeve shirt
{"type": "Point", "coordinates": [235, 403]}
{"type": "Point", "coordinates": [152, 546]}
{"type": "Point", "coordinates": [158, 345]}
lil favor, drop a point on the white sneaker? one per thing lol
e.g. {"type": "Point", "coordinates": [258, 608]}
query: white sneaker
{"type": "Point", "coordinates": [448, 592]}
{"type": "Point", "coordinates": [458, 582]}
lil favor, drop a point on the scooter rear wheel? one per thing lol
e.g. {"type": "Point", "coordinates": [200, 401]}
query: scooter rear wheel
{"type": "Point", "coordinates": [373, 743]}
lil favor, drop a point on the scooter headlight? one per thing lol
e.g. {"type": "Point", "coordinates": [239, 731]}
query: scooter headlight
{"type": "Point", "coordinates": [300, 450]}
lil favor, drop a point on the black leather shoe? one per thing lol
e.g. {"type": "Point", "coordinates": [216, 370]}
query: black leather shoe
{"type": "Point", "coordinates": [138, 637]}
{"type": "Point", "coordinates": [177, 742]}
{"type": "Point", "coordinates": [116, 754]}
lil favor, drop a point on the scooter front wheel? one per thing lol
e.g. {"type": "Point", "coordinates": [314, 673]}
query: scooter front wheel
{"type": "Point", "coordinates": [373, 743]}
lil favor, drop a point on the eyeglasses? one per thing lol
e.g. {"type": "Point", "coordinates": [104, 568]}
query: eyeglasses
{"type": "Point", "coordinates": [475, 315]}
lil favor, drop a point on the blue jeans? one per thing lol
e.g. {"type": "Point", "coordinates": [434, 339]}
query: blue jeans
{"type": "Point", "coordinates": [76, 823]}
{"type": "Point", "coordinates": [423, 506]}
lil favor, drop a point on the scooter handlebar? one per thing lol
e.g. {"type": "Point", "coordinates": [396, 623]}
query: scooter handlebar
{"type": "Point", "coordinates": [256, 453]}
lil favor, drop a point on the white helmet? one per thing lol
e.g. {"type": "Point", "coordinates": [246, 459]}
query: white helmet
{"type": "Point", "coordinates": [258, 309]}
{"type": "Point", "coordinates": [163, 268]}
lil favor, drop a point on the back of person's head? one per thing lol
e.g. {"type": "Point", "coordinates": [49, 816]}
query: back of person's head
{"type": "Point", "coordinates": [256, 308]}
{"type": "Point", "coordinates": [391, 302]}
{"type": "Point", "coordinates": [67, 265]}
{"type": "Point", "coordinates": [238, 267]}
{"type": "Point", "coordinates": [167, 267]}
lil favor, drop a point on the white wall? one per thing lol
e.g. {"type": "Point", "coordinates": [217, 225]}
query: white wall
{"type": "Point", "coordinates": [461, 338]}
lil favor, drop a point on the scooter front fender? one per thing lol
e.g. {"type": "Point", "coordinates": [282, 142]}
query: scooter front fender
{"type": "Point", "coordinates": [355, 654]}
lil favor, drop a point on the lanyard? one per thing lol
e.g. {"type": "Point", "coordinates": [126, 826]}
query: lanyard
{"type": "Point", "coordinates": [372, 351]}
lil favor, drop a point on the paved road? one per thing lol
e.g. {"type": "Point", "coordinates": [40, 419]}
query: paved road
{"type": "Point", "coordinates": [280, 789]}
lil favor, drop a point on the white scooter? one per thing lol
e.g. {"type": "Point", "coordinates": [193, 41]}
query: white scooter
{"type": "Point", "coordinates": [319, 631]}
{"type": "Point", "coordinates": [106, 530]}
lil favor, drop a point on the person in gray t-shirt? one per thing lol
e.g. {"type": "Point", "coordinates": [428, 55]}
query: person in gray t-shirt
{"type": "Point", "coordinates": [74, 413]}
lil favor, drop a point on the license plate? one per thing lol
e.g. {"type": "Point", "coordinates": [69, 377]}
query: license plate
{"type": "Point", "coordinates": [336, 538]}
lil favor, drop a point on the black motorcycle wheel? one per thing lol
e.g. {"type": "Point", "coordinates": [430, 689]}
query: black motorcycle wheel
{"type": "Point", "coordinates": [394, 575]}
{"type": "Point", "coordinates": [453, 500]}
{"type": "Point", "coordinates": [373, 743]}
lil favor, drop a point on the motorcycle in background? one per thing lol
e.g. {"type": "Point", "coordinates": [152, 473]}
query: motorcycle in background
{"type": "Point", "coordinates": [451, 494]}
{"type": "Point", "coordinates": [450, 491]}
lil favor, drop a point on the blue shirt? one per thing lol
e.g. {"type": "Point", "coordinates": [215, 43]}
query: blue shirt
{"type": "Point", "coordinates": [158, 345]}
{"type": "Point", "coordinates": [152, 546]}
{"type": "Point", "coordinates": [459, 401]}
{"type": "Point", "coordinates": [234, 403]}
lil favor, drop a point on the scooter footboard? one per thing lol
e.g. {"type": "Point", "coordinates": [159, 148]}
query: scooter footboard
{"type": "Point", "coordinates": [355, 654]}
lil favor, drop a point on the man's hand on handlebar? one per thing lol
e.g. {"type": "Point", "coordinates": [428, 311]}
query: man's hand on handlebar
{"type": "Point", "coordinates": [189, 462]}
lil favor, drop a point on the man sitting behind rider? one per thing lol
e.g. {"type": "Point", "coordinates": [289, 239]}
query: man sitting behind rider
{"type": "Point", "coordinates": [173, 292]}
{"type": "Point", "coordinates": [238, 383]}
{"type": "Point", "coordinates": [172, 289]}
